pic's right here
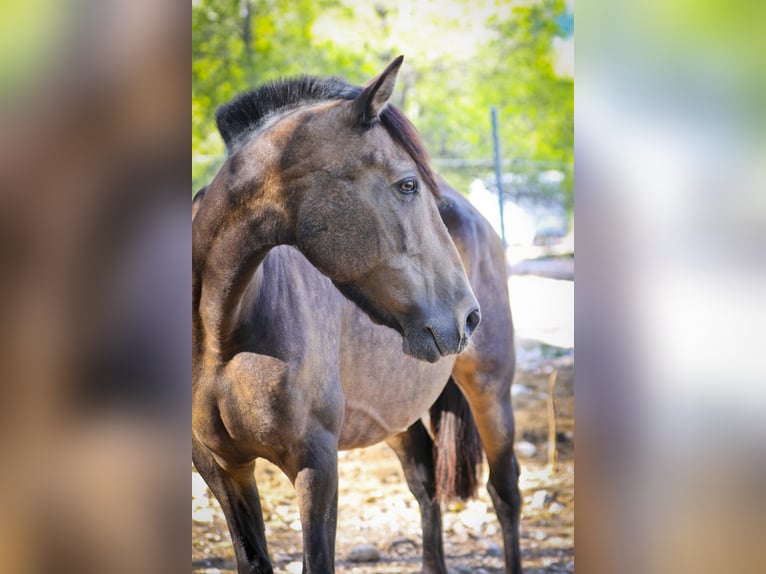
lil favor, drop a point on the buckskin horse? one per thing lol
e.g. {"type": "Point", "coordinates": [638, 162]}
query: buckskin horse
{"type": "Point", "coordinates": [333, 308]}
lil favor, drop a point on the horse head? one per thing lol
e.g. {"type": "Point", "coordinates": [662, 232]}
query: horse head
{"type": "Point", "coordinates": [370, 222]}
{"type": "Point", "coordinates": [362, 205]}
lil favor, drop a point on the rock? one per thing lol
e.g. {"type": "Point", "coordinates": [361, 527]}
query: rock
{"type": "Point", "coordinates": [364, 553]}
{"type": "Point", "coordinates": [282, 511]}
{"type": "Point", "coordinates": [474, 516]}
{"type": "Point", "coordinates": [199, 488]}
{"type": "Point", "coordinates": [519, 389]}
{"type": "Point", "coordinates": [480, 571]}
{"type": "Point", "coordinates": [556, 507]}
{"type": "Point", "coordinates": [295, 567]}
{"type": "Point", "coordinates": [281, 558]}
{"type": "Point", "coordinates": [403, 546]}
{"type": "Point", "coordinates": [566, 436]}
{"type": "Point", "coordinates": [559, 542]}
{"type": "Point", "coordinates": [203, 515]}
{"type": "Point", "coordinates": [494, 549]}
{"type": "Point", "coordinates": [525, 449]}
{"type": "Point", "coordinates": [539, 499]}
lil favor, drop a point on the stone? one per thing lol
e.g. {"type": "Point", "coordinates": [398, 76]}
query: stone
{"type": "Point", "coordinates": [282, 558]}
{"type": "Point", "coordinates": [519, 389]}
{"type": "Point", "coordinates": [539, 499]}
{"type": "Point", "coordinates": [474, 516]}
{"type": "Point", "coordinates": [494, 550]}
{"type": "Point", "coordinates": [203, 515]}
{"type": "Point", "coordinates": [199, 488]}
{"type": "Point", "coordinates": [364, 553]}
{"type": "Point", "coordinates": [525, 449]}
{"type": "Point", "coordinates": [556, 507]}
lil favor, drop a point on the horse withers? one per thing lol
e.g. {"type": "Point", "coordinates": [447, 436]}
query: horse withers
{"type": "Point", "coordinates": [324, 216]}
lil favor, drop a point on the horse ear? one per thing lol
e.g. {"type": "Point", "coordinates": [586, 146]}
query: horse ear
{"type": "Point", "coordinates": [368, 105]}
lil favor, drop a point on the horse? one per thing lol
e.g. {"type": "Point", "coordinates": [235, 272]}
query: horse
{"type": "Point", "coordinates": [333, 309]}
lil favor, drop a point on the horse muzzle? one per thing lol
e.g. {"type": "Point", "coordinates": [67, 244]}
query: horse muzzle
{"type": "Point", "coordinates": [433, 339]}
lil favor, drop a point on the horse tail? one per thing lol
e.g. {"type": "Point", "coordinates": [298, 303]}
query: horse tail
{"type": "Point", "coordinates": [457, 447]}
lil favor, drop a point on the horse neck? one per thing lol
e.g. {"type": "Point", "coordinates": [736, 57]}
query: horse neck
{"type": "Point", "coordinates": [231, 237]}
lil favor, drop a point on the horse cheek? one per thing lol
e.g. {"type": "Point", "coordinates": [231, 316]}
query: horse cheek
{"type": "Point", "coordinates": [339, 240]}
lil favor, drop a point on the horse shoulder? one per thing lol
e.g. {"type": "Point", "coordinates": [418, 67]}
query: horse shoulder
{"type": "Point", "coordinates": [245, 407]}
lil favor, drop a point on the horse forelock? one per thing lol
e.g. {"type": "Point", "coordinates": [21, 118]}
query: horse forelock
{"type": "Point", "coordinates": [240, 118]}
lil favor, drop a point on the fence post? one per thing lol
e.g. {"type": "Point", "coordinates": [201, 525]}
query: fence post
{"type": "Point", "coordinates": [553, 451]}
{"type": "Point", "coordinates": [498, 174]}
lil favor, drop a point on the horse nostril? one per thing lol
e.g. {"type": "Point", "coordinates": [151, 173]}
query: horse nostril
{"type": "Point", "coordinates": [472, 321]}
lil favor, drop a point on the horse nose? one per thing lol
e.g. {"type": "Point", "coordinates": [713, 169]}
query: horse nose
{"type": "Point", "coordinates": [472, 320]}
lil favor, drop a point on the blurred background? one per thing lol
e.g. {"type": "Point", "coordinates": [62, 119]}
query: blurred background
{"type": "Point", "coordinates": [94, 285]}
{"type": "Point", "coordinates": [671, 211]}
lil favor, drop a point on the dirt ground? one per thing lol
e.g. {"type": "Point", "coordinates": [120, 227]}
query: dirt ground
{"type": "Point", "coordinates": [376, 508]}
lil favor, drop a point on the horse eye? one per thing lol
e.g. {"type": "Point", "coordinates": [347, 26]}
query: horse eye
{"type": "Point", "coordinates": [408, 186]}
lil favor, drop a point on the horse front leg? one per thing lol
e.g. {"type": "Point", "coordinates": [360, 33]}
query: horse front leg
{"type": "Point", "coordinates": [314, 471]}
{"type": "Point", "coordinates": [237, 493]}
{"type": "Point", "coordinates": [414, 448]}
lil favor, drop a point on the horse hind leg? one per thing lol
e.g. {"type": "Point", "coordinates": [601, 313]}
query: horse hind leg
{"type": "Point", "coordinates": [414, 448]}
{"type": "Point", "coordinates": [237, 493]}
{"type": "Point", "coordinates": [493, 414]}
{"type": "Point", "coordinates": [504, 490]}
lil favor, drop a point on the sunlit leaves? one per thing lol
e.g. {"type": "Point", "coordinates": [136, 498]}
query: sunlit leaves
{"type": "Point", "coordinates": [462, 56]}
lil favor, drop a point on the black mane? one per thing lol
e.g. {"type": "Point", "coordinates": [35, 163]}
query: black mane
{"type": "Point", "coordinates": [246, 112]}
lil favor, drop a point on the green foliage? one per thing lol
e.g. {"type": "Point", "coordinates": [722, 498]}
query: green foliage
{"type": "Point", "coordinates": [462, 57]}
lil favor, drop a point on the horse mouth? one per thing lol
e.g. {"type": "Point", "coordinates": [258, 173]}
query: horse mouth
{"type": "Point", "coordinates": [421, 345]}
{"type": "Point", "coordinates": [438, 340]}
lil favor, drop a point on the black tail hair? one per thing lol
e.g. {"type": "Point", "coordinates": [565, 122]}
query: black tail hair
{"type": "Point", "coordinates": [457, 446]}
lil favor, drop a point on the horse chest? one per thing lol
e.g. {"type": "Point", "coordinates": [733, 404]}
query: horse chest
{"type": "Point", "coordinates": [385, 393]}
